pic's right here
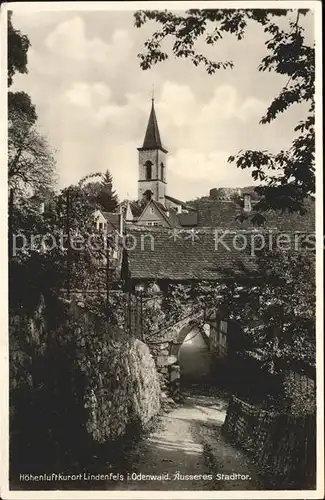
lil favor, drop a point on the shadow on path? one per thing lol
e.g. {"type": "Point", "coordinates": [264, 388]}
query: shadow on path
{"type": "Point", "coordinates": [188, 452]}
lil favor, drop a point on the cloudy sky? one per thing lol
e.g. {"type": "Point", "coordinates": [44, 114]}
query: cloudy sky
{"type": "Point", "coordinates": [93, 101]}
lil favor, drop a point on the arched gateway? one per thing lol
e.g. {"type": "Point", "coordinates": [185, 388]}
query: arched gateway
{"type": "Point", "coordinates": [193, 358]}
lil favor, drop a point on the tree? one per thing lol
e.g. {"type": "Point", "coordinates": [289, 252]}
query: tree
{"type": "Point", "coordinates": [56, 250]}
{"type": "Point", "coordinates": [276, 311]}
{"type": "Point", "coordinates": [107, 197]}
{"type": "Point", "coordinates": [137, 207]}
{"type": "Point", "coordinates": [18, 45]}
{"type": "Point", "coordinates": [100, 193]}
{"type": "Point", "coordinates": [19, 103]}
{"type": "Point", "coordinates": [31, 165]}
{"type": "Point", "coordinates": [90, 188]}
{"type": "Point", "coordinates": [288, 176]}
{"type": "Point", "coordinates": [30, 161]}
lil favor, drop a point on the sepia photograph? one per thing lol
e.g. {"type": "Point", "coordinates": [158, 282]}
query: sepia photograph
{"type": "Point", "coordinates": [162, 205]}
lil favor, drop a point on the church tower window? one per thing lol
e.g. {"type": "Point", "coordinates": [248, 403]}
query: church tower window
{"type": "Point", "coordinates": [148, 166]}
{"type": "Point", "coordinates": [152, 161]}
{"type": "Point", "coordinates": [162, 170]}
{"type": "Point", "coordinates": [147, 195]}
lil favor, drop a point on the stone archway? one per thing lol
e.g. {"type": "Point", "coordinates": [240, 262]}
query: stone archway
{"type": "Point", "coordinates": [180, 337]}
{"type": "Point", "coordinates": [192, 356]}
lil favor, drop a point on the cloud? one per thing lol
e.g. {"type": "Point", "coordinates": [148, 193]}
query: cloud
{"type": "Point", "coordinates": [211, 169]}
{"type": "Point", "coordinates": [206, 127]}
{"type": "Point", "coordinates": [226, 104]}
{"type": "Point", "coordinates": [176, 104]}
{"type": "Point", "coordinates": [88, 95]}
{"type": "Point", "coordinates": [93, 101]}
{"type": "Point", "coordinates": [68, 40]}
{"type": "Point", "coordinates": [33, 19]}
{"type": "Point", "coordinates": [251, 107]}
{"type": "Point", "coordinates": [109, 133]}
{"type": "Point", "coordinates": [195, 165]}
{"type": "Point", "coordinates": [67, 50]}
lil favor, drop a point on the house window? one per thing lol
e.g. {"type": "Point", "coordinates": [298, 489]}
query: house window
{"type": "Point", "coordinates": [152, 223]}
{"type": "Point", "coordinates": [151, 210]}
{"type": "Point", "coordinates": [148, 166]}
{"type": "Point", "coordinates": [100, 225]}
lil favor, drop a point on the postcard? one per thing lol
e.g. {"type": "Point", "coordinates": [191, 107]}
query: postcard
{"type": "Point", "coordinates": [162, 203]}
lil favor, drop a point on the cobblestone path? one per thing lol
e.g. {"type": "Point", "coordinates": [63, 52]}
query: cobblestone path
{"type": "Point", "coordinates": [188, 452]}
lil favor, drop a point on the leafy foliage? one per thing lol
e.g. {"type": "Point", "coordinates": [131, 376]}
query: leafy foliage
{"type": "Point", "coordinates": [100, 193]}
{"type": "Point", "coordinates": [18, 45]}
{"type": "Point", "coordinates": [19, 103]}
{"type": "Point", "coordinates": [288, 177]}
{"type": "Point", "coordinates": [57, 249]}
{"type": "Point", "coordinates": [176, 301]}
{"type": "Point", "coordinates": [31, 164]}
{"type": "Point", "coordinates": [277, 311]}
{"type": "Point", "coordinates": [137, 207]}
{"type": "Point", "coordinates": [301, 395]}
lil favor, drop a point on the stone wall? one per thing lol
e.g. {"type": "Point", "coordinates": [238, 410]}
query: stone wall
{"type": "Point", "coordinates": [123, 386]}
{"type": "Point", "coordinates": [77, 381]}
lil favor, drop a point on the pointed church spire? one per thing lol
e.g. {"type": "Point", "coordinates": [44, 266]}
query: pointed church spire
{"type": "Point", "coordinates": [152, 138]}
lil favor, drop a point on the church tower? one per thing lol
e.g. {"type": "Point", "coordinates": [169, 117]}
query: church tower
{"type": "Point", "coordinates": [152, 163]}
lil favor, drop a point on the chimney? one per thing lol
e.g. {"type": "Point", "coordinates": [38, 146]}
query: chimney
{"type": "Point", "coordinates": [247, 202]}
{"type": "Point", "coordinates": [179, 209]}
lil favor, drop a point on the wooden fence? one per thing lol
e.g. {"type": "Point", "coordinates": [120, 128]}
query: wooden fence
{"type": "Point", "coordinates": [282, 446]}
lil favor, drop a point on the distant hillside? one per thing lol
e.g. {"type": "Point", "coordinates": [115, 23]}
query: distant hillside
{"type": "Point", "coordinates": [227, 213]}
{"type": "Point", "coordinates": [226, 193]}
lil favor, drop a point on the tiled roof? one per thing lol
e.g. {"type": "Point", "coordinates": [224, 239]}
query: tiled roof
{"type": "Point", "coordinates": [179, 202]}
{"type": "Point", "coordinates": [112, 217]}
{"type": "Point", "coordinates": [159, 254]}
{"type": "Point", "coordinates": [160, 205]}
{"type": "Point", "coordinates": [188, 219]}
{"type": "Point", "coordinates": [173, 218]}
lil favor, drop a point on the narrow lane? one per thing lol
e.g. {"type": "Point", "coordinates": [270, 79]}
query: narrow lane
{"type": "Point", "coordinates": [188, 442]}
